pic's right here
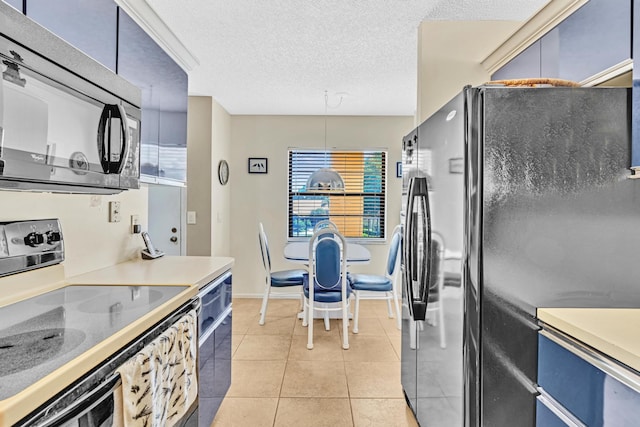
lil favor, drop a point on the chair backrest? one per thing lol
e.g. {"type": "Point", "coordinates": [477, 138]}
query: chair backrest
{"type": "Point", "coordinates": [394, 248]}
{"type": "Point", "coordinates": [264, 249]}
{"type": "Point", "coordinates": [327, 262]}
{"type": "Point", "coordinates": [436, 275]}
{"type": "Point", "coordinates": [325, 223]}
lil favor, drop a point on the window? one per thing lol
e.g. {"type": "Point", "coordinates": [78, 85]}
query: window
{"type": "Point", "coordinates": [359, 212]}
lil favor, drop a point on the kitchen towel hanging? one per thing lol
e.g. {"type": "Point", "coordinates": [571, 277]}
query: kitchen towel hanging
{"type": "Point", "coordinates": [159, 384]}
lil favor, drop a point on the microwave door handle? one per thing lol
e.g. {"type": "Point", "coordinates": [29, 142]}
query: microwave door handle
{"type": "Point", "coordinates": [110, 112]}
{"type": "Point", "coordinates": [126, 141]}
{"type": "Point", "coordinates": [103, 135]}
{"type": "Point", "coordinates": [408, 246]}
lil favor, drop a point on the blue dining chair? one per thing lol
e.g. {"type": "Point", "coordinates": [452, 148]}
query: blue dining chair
{"type": "Point", "coordinates": [380, 283]}
{"type": "Point", "coordinates": [326, 284]}
{"type": "Point", "coordinates": [275, 279]}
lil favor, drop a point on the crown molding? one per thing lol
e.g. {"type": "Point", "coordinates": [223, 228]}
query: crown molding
{"type": "Point", "coordinates": [147, 18]}
{"type": "Point", "coordinates": [541, 23]}
{"type": "Point", "coordinates": [608, 74]}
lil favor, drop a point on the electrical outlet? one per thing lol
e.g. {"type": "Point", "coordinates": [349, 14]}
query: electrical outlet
{"type": "Point", "coordinates": [114, 211]}
{"type": "Point", "coordinates": [135, 224]}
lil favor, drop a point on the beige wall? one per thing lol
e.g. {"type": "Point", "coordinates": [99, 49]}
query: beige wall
{"type": "Point", "coordinates": [91, 242]}
{"type": "Point", "coordinates": [221, 194]}
{"type": "Point", "coordinates": [209, 140]}
{"type": "Point", "coordinates": [199, 175]}
{"type": "Point", "coordinates": [263, 198]}
{"type": "Point", "coordinates": [450, 54]}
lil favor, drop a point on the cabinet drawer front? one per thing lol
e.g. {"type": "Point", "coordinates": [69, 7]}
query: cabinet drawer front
{"type": "Point", "coordinates": [593, 396]}
{"type": "Point", "coordinates": [546, 416]}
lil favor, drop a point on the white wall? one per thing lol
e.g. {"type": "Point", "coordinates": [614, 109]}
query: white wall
{"type": "Point", "coordinates": [263, 198]}
{"type": "Point", "coordinates": [91, 242]}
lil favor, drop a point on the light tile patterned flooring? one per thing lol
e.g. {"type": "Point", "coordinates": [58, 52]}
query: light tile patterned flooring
{"type": "Point", "coordinates": [276, 381]}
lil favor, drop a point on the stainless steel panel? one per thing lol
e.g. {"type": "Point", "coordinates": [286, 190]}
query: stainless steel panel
{"type": "Point", "coordinates": [557, 223]}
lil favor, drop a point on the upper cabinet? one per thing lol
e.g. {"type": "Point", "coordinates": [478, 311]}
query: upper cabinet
{"type": "Point", "coordinates": [524, 66]}
{"type": "Point", "coordinates": [15, 3]}
{"type": "Point", "coordinates": [91, 26]}
{"type": "Point", "coordinates": [164, 101]}
{"type": "Point", "coordinates": [593, 39]}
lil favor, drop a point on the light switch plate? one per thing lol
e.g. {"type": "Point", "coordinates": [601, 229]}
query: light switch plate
{"type": "Point", "coordinates": [114, 211]}
{"type": "Point", "coordinates": [191, 217]}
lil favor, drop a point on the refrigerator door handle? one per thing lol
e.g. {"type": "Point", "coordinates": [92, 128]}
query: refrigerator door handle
{"type": "Point", "coordinates": [418, 189]}
{"type": "Point", "coordinates": [407, 248]}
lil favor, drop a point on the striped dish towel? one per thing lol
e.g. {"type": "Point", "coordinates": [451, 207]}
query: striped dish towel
{"type": "Point", "coordinates": [159, 384]}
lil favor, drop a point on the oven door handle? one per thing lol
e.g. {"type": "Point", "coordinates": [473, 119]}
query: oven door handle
{"type": "Point", "coordinates": [86, 402]}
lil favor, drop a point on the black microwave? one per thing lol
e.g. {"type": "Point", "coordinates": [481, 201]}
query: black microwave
{"type": "Point", "coordinates": [67, 123]}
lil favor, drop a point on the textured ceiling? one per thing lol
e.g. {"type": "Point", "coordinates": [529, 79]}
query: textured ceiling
{"type": "Point", "coordinates": [279, 56]}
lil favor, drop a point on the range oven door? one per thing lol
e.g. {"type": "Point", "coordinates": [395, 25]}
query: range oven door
{"type": "Point", "coordinates": [57, 128]}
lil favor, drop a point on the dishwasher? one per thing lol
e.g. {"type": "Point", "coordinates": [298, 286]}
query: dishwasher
{"type": "Point", "coordinates": [214, 341]}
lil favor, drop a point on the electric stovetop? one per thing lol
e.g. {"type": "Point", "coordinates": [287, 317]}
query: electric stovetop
{"type": "Point", "coordinates": [41, 334]}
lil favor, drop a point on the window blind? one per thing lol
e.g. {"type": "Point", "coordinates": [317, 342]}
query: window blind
{"type": "Point", "coordinates": [359, 212]}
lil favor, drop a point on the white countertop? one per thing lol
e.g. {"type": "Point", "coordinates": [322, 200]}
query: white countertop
{"type": "Point", "coordinates": [612, 331]}
{"type": "Point", "coordinates": [167, 270]}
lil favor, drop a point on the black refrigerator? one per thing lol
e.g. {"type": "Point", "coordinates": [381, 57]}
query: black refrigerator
{"type": "Point", "coordinates": [526, 192]}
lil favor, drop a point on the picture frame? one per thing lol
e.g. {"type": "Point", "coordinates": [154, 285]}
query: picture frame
{"type": "Point", "coordinates": [398, 169]}
{"type": "Point", "coordinates": [456, 165]}
{"type": "Point", "coordinates": [257, 165]}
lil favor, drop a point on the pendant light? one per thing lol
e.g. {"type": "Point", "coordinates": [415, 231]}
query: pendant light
{"type": "Point", "coordinates": [325, 178]}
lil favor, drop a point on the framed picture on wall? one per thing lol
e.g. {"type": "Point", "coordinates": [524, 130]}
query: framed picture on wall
{"type": "Point", "coordinates": [398, 169]}
{"type": "Point", "coordinates": [257, 164]}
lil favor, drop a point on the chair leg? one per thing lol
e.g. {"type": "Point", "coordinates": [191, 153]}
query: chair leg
{"type": "Point", "coordinates": [265, 301]}
{"type": "Point", "coordinates": [356, 312]}
{"type": "Point", "coordinates": [398, 315]}
{"type": "Point", "coordinates": [443, 337]}
{"type": "Point", "coordinates": [345, 325]}
{"type": "Point", "coordinates": [310, 325]}
{"type": "Point", "coordinates": [388, 295]}
{"type": "Point", "coordinates": [301, 299]}
{"type": "Point", "coordinates": [327, 324]}
{"type": "Point", "coordinates": [304, 313]}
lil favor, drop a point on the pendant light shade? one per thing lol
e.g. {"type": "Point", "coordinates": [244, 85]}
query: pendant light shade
{"type": "Point", "coordinates": [325, 178]}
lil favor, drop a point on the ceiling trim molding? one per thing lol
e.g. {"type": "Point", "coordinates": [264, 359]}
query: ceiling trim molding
{"type": "Point", "coordinates": [608, 74]}
{"type": "Point", "coordinates": [147, 18]}
{"type": "Point", "coordinates": [541, 23]}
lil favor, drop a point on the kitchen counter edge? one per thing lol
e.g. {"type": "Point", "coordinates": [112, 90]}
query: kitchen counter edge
{"type": "Point", "coordinates": [610, 331]}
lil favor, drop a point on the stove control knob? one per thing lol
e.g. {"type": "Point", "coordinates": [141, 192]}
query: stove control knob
{"type": "Point", "coordinates": [53, 237]}
{"type": "Point", "coordinates": [34, 239]}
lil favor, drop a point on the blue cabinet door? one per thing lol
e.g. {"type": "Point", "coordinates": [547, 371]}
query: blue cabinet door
{"type": "Point", "coordinates": [594, 397]}
{"type": "Point", "coordinates": [91, 26]}
{"type": "Point", "coordinates": [594, 38]}
{"type": "Point", "coordinates": [15, 3]}
{"type": "Point", "coordinates": [524, 66]}
{"type": "Point", "coordinates": [164, 100]}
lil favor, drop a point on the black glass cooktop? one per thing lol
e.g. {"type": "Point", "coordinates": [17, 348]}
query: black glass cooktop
{"type": "Point", "coordinates": [43, 333]}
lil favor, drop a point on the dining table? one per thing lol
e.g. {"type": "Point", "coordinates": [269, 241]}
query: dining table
{"type": "Point", "coordinates": [299, 252]}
